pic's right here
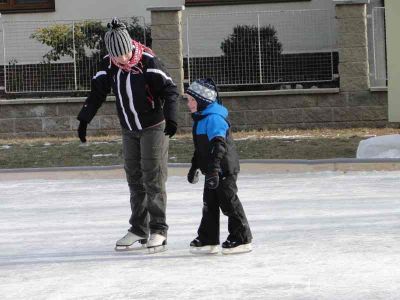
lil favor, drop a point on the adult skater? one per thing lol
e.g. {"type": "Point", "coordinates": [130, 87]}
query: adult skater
{"type": "Point", "coordinates": [146, 100]}
{"type": "Point", "coordinates": [215, 155]}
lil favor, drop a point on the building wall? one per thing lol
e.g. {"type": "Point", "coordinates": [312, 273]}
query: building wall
{"type": "Point", "coordinates": [287, 31]}
{"type": "Point", "coordinates": [75, 9]}
{"type": "Point", "coordinates": [93, 9]}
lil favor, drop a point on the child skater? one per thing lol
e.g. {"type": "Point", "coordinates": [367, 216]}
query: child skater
{"type": "Point", "coordinates": [216, 157]}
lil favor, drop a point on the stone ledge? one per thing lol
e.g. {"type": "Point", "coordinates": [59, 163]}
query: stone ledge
{"type": "Point", "coordinates": [48, 100]}
{"type": "Point", "coordinates": [167, 8]}
{"type": "Point", "coordinates": [379, 89]}
{"type": "Point", "coordinates": [350, 2]}
{"type": "Point", "coordinates": [280, 92]}
{"type": "Point", "coordinates": [223, 94]}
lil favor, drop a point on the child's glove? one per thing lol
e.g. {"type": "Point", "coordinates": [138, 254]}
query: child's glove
{"type": "Point", "coordinates": [82, 131]}
{"type": "Point", "coordinates": [193, 175]}
{"type": "Point", "coordinates": [212, 180]}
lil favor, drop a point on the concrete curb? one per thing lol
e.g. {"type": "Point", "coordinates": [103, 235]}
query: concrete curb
{"type": "Point", "coordinates": [253, 166]}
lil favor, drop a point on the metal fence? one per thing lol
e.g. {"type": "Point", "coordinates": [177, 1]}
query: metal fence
{"type": "Point", "coordinates": [259, 48]}
{"type": "Point", "coordinates": [379, 67]}
{"type": "Point", "coordinates": [56, 56]}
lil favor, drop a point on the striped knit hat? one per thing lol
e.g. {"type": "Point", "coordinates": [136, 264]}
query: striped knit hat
{"type": "Point", "coordinates": [117, 39]}
{"type": "Point", "coordinates": [204, 91]}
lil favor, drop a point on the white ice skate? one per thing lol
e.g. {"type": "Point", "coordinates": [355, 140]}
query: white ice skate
{"type": "Point", "coordinates": [197, 247]}
{"type": "Point", "coordinates": [157, 243]}
{"type": "Point", "coordinates": [236, 249]}
{"type": "Point", "coordinates": [130, 242]}
{"type": "Point", "coordinates": [208, 249]}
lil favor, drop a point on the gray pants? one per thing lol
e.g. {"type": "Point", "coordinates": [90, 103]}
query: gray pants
{"type": "Point", "coordinates": [146, 158]}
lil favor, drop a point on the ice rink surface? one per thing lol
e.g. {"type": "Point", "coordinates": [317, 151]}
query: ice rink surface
{"type": "Point", "coordinates": [329, 235]}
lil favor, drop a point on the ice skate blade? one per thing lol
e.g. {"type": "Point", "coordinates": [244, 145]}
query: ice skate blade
{"type": "Point", "coordinates": [156, 249]}
{"type": "Point", "coordinates": [134, 247]}
{"type": "Point", "coordinates": [239, 249]}
{"type": "Point", "coordinates": [204, 250]}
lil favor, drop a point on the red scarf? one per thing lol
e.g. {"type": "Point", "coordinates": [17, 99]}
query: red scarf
{"type": "Point", "coordinates": [136, 57]}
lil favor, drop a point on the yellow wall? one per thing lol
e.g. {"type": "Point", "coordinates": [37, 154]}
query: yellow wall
{"type": "Point", "coordinates": [392, 8]}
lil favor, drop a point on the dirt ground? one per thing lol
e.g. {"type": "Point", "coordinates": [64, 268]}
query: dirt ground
{"type": "Point", "coordinates": [106, 150]}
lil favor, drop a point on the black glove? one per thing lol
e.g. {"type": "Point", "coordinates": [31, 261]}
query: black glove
{"type": "Point", "coordinates": [212, 180]}
{"type": "Point", "coordinates": [193, 175]}
{"type": "Point", "coordinates": [170, 128]}
{"type": "Point", "coordinates": [82, 131]}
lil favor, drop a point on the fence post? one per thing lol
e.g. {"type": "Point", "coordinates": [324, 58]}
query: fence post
{"type": "Point", "coordinates": [259, 47]}
{"type": "Point", "coordinates": [4, 54]}
{"type": "Point", "coordinates": [353, 45]}
{"type": "Point", "coordinates": [188, 48]}
{"type": "Point", "coordinates": [144, 30]}
{"type": "Point", "coordinates": [74, 53]}
{"type": "Point", "coordinates": [393, 61]}
{"type": "Point", "coordinates": [166, 33]}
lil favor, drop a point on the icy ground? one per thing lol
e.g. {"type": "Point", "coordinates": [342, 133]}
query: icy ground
{"type": "Point", "coordinates": [316, 236]}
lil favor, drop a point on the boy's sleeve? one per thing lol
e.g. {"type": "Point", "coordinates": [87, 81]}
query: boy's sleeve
{"type": "Point", "coordinates": [161, 85]}
{"type": "Point", "coordinates": [217, 128]}
{"type": "Point", "coordinates": [194, 160]}
{"type": "Point", "coordinates": [100, 88]}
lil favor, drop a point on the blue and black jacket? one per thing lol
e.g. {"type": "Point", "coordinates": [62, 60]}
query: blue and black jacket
{"type": "Point", "coordinates": [214, 147]}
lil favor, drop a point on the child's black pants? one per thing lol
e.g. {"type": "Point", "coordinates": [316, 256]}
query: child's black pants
{"type": "Point", "coordinates": [224, 197]}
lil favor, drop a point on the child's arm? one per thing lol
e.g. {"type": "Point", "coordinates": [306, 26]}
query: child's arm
{"type": "Point", "coordinates": [217, 153]}
{"type": "Point", "coordinates": [217, 128]}
{"type": "Point", "coordinates": [216, 131]}
{"type": "Point", "coordinates": [194, 160]}
{"type": "Point", "coordinates": [193, 174]}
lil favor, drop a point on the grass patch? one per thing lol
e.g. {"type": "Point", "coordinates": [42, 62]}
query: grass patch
{"type": "Point", "coordinates": [107, 150]}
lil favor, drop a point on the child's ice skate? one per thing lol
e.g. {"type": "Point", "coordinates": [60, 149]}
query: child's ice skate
{"type": "Point", "coordinates": [157, 243]}
{"type": "Point", "coordinates": [131, 242]}
{"type": "Point", "coordinates": [235, 247]}
{"type": "Point", "coordinates": [198, 247]}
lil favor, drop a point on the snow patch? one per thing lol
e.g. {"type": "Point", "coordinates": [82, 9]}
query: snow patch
{"type": "Point", "coordinates": [103, 155]}
{"type": "Point", "coordinates": [385, 146]}
{"type": "Point", "coordinates": [278, 137]}
{"type": "Point", "coordinates": [251, 137]}
{"type": "Point", "coordinates": [98, 143]}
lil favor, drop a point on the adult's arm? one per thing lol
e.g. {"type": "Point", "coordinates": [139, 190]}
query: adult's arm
{"type": "Point", "coordinates": [162, 85]}
{"type": "Point", "coordinates": [100, 88]}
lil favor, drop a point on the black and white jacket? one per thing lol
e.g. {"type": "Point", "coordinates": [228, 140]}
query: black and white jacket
{"type": "Point", "coordinates": [145, 96]}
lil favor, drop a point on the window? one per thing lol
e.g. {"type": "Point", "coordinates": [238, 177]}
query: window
{"type": "Point", "coordinates": [230, 2]}
{"type": "Point", "coordinates": [16, 6]}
